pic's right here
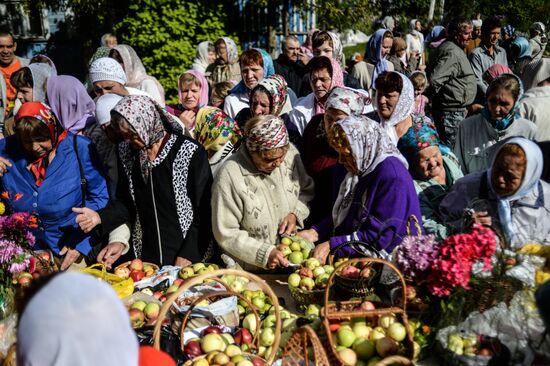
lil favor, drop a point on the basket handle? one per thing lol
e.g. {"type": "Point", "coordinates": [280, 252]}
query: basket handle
{"type": "Point", "coordinates": [353, 244]}
{"type": "Point", "coordinates": [365, 261]}
{"type": "Point", "coordinates": [206, 276]}
{"type": "Point", "coordinates": [188, 314]}
{"type": "Point", "coordinates": [413, 218]}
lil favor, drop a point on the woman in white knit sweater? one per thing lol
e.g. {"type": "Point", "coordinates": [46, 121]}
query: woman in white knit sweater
{"type": "Point", "coordinates": [261, 192]}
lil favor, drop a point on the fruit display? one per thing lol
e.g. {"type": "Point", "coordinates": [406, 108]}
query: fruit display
{"type": "Point", "coordinates": [197, 269]}
{"type": "Point", "coordinates": [40, 264]}
{"type": "Point", "coordinates": [136, 269]}
{"type": "Point", "coordinates": [307, 283]}
{"type": "Point", "coordinates": [469, 344]}
{"type": "Point", "coordinates": [295, 249]}
{"type": "Point", "coordinates": [143, 313]}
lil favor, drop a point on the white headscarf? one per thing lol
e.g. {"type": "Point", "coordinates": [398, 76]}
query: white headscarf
{"type": "Point", "coordinates": [404, 107]}
{"type": "Point", "coordinates": [40, 73]}
{"type": "Point", "coordinates": [413, 30]}
{"type": "Point", "coordinates": [103, 106]}
{"type": "Point", "coordinates": [76, 320]}
{"type": "Point", "coordinates": [533, 172]}
{"type": "Point", "coordinates": [370, 146]}
{"type": "Point", "coordinates": [200, 63]}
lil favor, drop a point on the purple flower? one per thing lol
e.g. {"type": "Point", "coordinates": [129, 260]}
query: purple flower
{"type": "Point", "coordinates": [17, 267]}
{"type": "Point", "coordinates": [416, 254]}
{"type": "Point", "coordinates": [8, 250]}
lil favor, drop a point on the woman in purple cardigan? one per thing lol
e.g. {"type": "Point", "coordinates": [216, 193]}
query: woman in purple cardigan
{"type": "Point", "coordinates": [375, 198]}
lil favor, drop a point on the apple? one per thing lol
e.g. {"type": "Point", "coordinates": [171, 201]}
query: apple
{"type": "Point", "coordinates": [322, 280]}
{"type": "Point", "coordinates": [137, 318]}
{"type": "Point", "coordinates": [313, 310]}
{"type": "Point", "coordinates": [397, 331]}
{"type": "Point", "coordinates": [44, 255]}
{"type": "Point", "coordinates": [233, 350]}
{"type": "Point", "coordinates": [318, 271]}
{"type": "Point", "coordinates": [193, 349]}
{"type": "Point", "coordinates": [237, 359]}
{"type": "Point", "coordinates": [386, 320]}
{"type": "Point", "coordinates": [285, 249]}
{"type": "Point", "coordinates": [345, 336]}
{"type": "Point", "coordinates": [221, 359]}
{"type": "Point", "coordinates": [172, 289]}
{"type": "Point", "coordinates": [295, 247]}
{"type": "Point", "coordinates": [286, 241]}
{"type": "Point", "coordinates": [140, 305]}
{"type": "Point", "coordinates": [377, 333]}
{"type": "Point", "coordinates": [24, 280]}
{"type": "Point", "coordinates": [137, 275]}
{"type": "Point", "coordinates": [201, 362]}
{"type": "Point", "coordinates": [294, 280]}
{"type": "Point", "coordinates": [259, 362]}
{"type": "Point", "coordinates": [157, 295]}
{"type": "Point", "coordinates": [245, 363]}
{"type": "Point", "coordinates": [361, 330]}
{"type": "Point", "coordinates": [147, 291]}
{"type": "Point", "coordinates": [305, 272]}
{"type": "Point", "coordinates": [364, 348]}
{"type": "Point", "coordinates": [212, 342]}
{"type": "Point", "coordinates": [348, 356]}
{"type": "Point", "coordinates": [296, 257]}
{"type": "Point", "coordinates": [307, 284]}
{"type": "Point", "coordinates": [306, 252]}
{"type": "Point", "coordinates": [249, 322]}
{"type": "Point", "coordinates": [258, 301]}
{"type": "Point", "coordinates": [289, 325]}
{"type": "Point", "coordinates": [178, 282]}
{"type": "Point", "coordinates": [267, 337]}
{"type": "Point", "coordinates": [328, 268]}
{"type": "Point", "coordinates": [312, 263]}
{"type": "Point", "coordinates": [136, 265]}
{"type": "Point", "coordinates": [198, 266]}
{"type": "Point", "coordinates": [386, 347]}
{"type": "Point", "coordinates": [211, 329]}
{"type": "Point", "coordinates": [186, 272]}
{"type": "Point", "coordinates": [367, 306]}
{"type": "Point", "coordinates": [269, 321]}
{"type": "Point", "coordinates": [350, 271]}
{"type": "Point", "coordinates": [152, 311]}
{"type": "Point", "coordinates": [228, 338]}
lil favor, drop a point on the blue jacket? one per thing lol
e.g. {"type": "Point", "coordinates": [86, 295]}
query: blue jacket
{"type": "Point", "coordinates": [53, 201]}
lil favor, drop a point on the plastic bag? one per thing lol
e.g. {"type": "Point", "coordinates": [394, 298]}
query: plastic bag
{"type": "Point", "coordinates": [102, 273]}
{"type": "Point", "coordinates": [169, 273]}
{"type": "Point", "coordinates": [8, 333]}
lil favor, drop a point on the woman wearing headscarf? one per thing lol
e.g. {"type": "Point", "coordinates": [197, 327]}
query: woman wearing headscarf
{"type": "Point", "coordinates": [261, 192]}
{"type": "Point", "coordinates": [480, 136]}
{"type": "Point", "coordinates": [226, 66]}
{"type": "Point", "coordinates": [434, 169]}
{"type": "Point", "coordinates": [30, 82]}
{"type": "Point", "coordinates": [205, 56]}
{"type": "Point", "coordinates": [437, 36]}
{"type": "Point", "coordinates": [520, 55]}
{"type": "Point", "coordinates": [537, 40]}
{"type": "Point", "coordinates": [377, 52]}
{"type": "Point", "coordinates": [415, 41]}
{"type": "Point", "coordinates": [219, 134]}
{"type": "Point", "coordinates": [43, 59]}
{"type": "Point", "coordinates": [535, 102]}
{"type": "Point", "coordinates": [377, 194]}
{"type": "Point", "coordinates": [46, 164]}
{"type": "Point", "coordinates": [320, 159]}
{"type": "Point", "coordinates": [324, 74]}
{"type": "Point", "coordinates": [508, 34]}
{"type": "Point", "coordinates": [488, 76]}
{"type": "Point", "coordinates": [168, 184]}
{"type": "Point", "coordinates": [136, 75]}
{"type": "Point", "coordinates": [509, 196]}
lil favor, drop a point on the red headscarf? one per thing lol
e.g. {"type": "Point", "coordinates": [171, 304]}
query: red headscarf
{"type": "Point", "coordinates": [43, 113]}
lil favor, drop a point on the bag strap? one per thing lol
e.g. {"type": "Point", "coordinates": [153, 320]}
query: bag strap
{"type": "Point", "coordinates": [83, 181]}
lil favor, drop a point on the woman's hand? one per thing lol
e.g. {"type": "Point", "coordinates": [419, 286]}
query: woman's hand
{"type": "Point", "coordinates": [4, 165]}
{"type": "Point", "coordinates": [288, 226]}
{"type": "Point", "coordinates": [482, 217]}
{"type": "Point", "coordinates": [188, 119]}
{"type": "Point", "coordinates": [87, 218]}
{"type": "Point", "coordinates": [322, 251]}
{"type": "Point", "coordinates": [110, 253]}
{"type": "Point", "coordinates": [276, 259]}
{"type": "Point", "coordinates": [310, 235]}
{"type": "Point", "coordinates": [182, 262]}
{"type": "Point", "coordinates": [71, 255]}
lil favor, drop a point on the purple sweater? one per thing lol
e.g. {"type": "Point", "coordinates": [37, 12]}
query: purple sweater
{"type": "Point", "coordinates": [389, 199]}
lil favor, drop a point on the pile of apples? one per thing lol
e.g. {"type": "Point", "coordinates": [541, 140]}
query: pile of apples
{"type": "Point", "coordinates": [295, 249]}
{"type": "Point", "coordinates": [222, 348]}
{"type": "Point", "coordinates": [197, 269]}
{"type": "Point", "coordinates": [366, 340]}
{"type": "Point", "coordinates": [163, 295]}
{"type": "Point", "coordinates": [136, 270]}
{"type": "Point", "coordinates": [311, 275]}
{"type": "Point", "coordinates": [356, 271]}
{"type": "Point", "coordinates": [142, 313]}
{"type": "Point", "coordinates": [36, 269]}
{"type": "Point", "coordinates": [471, 344]}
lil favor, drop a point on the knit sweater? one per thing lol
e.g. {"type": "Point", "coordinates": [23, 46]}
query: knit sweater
{"type": "Point", "coordinates": [248, 206]}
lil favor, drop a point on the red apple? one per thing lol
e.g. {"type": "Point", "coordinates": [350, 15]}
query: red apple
{"type": "Point", "coordinates": [243, 336]}
{"type": "Point", "coordinates": [211, 329]}
{"type": "Point", "coordinates": [35, 275]}
{"type": "Point", "coordinates": [163, 298]}
{"type": "Point", "coordinates": [24, 281]}
{"type": "Point", "coordinates": [350, 271]}
{"type": "Point", "coordinates": [122, 272]}
{"type": "Point", "coordinates": [136, 265]}
{"type": "Point", "coordinates": [178, 282]}
{"type": "Point", "coordinates": [485, 352]}
{"type": "Point", "coordinates": [367, 305]}
{"type": "Point", "coordinates": [193, 349]}
{"type": "Point", "coordinates": [45, 255]}
{"type": "Point", "coordinates": [256, 361]}
{"type": "Point", "coordinates": [137, 318]}
{"type": "Point", "coordinates": [410, 292]}
{"type": "Point", "coordinates": [137, 275]}
{"type": "Point", "coordinates": [32, 265]}
{"type": "Point", "coordinates": [157, 295]}
{"type": "Point", "coordinates": [305, 272]}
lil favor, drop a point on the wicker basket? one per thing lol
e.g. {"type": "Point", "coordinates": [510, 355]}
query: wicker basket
{"type": "Point", "coordinates": [488, 292]}
{"type": "Point", "coordinates": [303, 298]}
{"type": "Point", "coordinates": [214, 275]}
{"type": "Point", "coordinates": [346, 310]}
{"type": "Point", "coordinates": [296, 352]}
{"type": "Point", "coordinates": [127, 264]}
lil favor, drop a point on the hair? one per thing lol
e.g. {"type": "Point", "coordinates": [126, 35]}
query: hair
{"type": "Point", "coordinates": [32, 129]}
{"type": "Point", "coordinates": [219, 41]}
{"type": "Point", "coordinates": [490, 24]}
{"type": "Point", "coordinates": [398, 44]}
{"type": "Point", "coordinates": [211, 47]}
{"type": "Point", "coordinates": [262, 89]}
{"type": "Point", "coordinates": [319, 63]}
{"type": "Point", "coordinates": [106, 38]}
{"type": "Point", "coordinates": [419, 80]}
{"type": "Point", "coordinates": [7, 33]}
{"type": "Point", "coordinates": [387, 34]}
{"type": "Point", "coordinates": [457, 25]}
{"type": "Point", "coordinates": [512, 150]}
{"type": "Point", "coordinates": [189, 79]}
{"type": "Point", "coordinates": [41, 59]}
{"type": "Point", "coordinates": [389, 82]}
{"type": "Point", "coordinates": [288, 38]}
{"type": "Point", "coordinates": [320, 38]}
{"type": "Point", "coordinates": [22, 78]}
{"type": "Point", "coordinates": [251, 57]}
{"type": "Point", "coordinates": [507, 82]}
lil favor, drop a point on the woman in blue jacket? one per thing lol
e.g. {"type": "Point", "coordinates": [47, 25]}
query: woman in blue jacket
{"type": "Point", "coordinates": [44, 163]}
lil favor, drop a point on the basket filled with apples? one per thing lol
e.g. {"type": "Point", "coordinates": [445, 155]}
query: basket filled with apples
{"type": "Point", "coordinates": [249, 345]}
{"type": "Point", "coordinates": [307, 284]}
{"type": "Point", "coordinates": [304, 347]}
{"type": "Point", "coordinates": [296, 249]}
{"type": "Point", "coordinates": [361, 332]}
{"type": "Point", "coordinates": [136, 269]}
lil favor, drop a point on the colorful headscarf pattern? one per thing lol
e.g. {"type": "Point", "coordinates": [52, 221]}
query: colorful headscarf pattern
{"type": "Point", "coordinates": [347, 100]}
{"type": "Point", "coordinates": [509, 30]}
{"type": "Point", "coordinates": [214, 129]}
{"type": "Point", "coordinates": [421, 135]}
{"type": "Point", "coordinates": [269, 134]}
{"type": "Point", "coordinates": [277, 88]}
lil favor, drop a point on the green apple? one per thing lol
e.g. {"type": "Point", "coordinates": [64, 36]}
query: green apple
{"type": "Point", "coordinates": [364, 348]}
{"type": "Point", "coordinates": [212, 342]}
{"type": "Point", "coordinates": [228, 279]}
{"type": "Point", "coordinates": [249, 322]}
{"type": "Point", "coordinates": [313, 309]}
{"type": "Point", "coordinates": [228, 338]}
{"type": "Point", "coordinates": [258, 302]}
{"type": "Point", "coordinates": [140, 305]}
{"type": "Point", "coordinates": [377, 333]}
{"type": "Point", "coordinates": [304, 244]}
{"type": "Point", "coordinates": [322, 280]}
{"type": "Point", "coordinates": [312, 263]}
{"type": "Point", "coordinates": [269, 321]}
{"type": "Point", "coordinates": [328, 268]}
{"type": "Point", "coordinates": [285, 249]}
{"type": "Point", "coordinates": [289, 325]}
{"type": "Point", "coordinates": [318, 271]}
{"type": "Point", "coordinates": [286, 241]}
{"type": "Point", "coordinates": [296, 257]}
{"type": "Point", "coordinates": [295, 247]}
{"type": "Point", "coordinates": [233, 350]}
{"type": "Point", "coordinates": [307, 284]}
{"type": "Point", "coordinates": [198, 266]}
{"type": "Point", "coordinates": [306, 252]}
{"type": "Point", "coordinates": [267, 337]}
{"type": "Point", "coordinates": [348, 355]}
{"type": "Point", "coordinates": [361, 330]}
{"type": "Point", "coordinates": [397, 332]}
{"type": "Point", "coordinates": [386, 320]}
{"type": "Point", "coordinates": [186, 272]}
{"type": "Point", "coordinates": [294, 280]}
{"type": "Point", "coordinates": [285, 314]}
{"type": "Point", "coordinates": [346, 337]}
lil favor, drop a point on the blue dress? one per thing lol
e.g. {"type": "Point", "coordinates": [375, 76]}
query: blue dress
{"type": "Point", "coordinates": [60, 191]}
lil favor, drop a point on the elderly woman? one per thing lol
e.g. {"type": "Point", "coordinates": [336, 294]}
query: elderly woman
{"type": "Point", "coordinates": [434, 169]}
{"type": "Point", "coordinates": [168, 184]}
{"type": "Point", "coordinates": [520, 55]}
{"type": "Point", "coordinates": [136, 75]}
{"type": "Point", "coordinates": [509, 195]}
{"type": "Point", "coordinates": [377, 193]}
{"type": "Point", "coordinates": [261, 192]}
{"type": "Point", "coordinates": [324, 74]}
{"type": "Point", "coordinates": [395, 103]}
{"type": "Point", "coordinates": [46, 164]}
{"type": "Point", "coordinates": [415, 41]}
{"type": "Point", "coordinates": [192, 95]}
{"type": "Point", "coordinates": [205, 56]}
{"type": "Point", "coordinates": [226, 65]}
{"type": "Point", "coordinates": [480, 136]}
{"type": "Point", "coordinates": [378, 49]}
{"type": "Point", "coordinates": [219, 134]}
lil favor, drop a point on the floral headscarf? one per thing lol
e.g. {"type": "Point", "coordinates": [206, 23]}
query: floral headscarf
{"type": "Point", "coordinates": [421, 135]}
{"type": "Point", "coordinates": [337, 49]}
{"type": "Point", "coordinates": [214, 129]}
{"type": "Point", "coordinates": [149, 121]}
{"type": "Point", "coordinates": [374, 53]}
{"type": "Point", "coordinates": [350, 101]}
{"type": "Point", "coordinates": [269, 69]}
{"type": "Point", "coordinates": [277, 88]}
{"type": "Point", "coordinates": [100, 52]}
{"type": "Point", "coordinates": [496, 70]}
{"type": "Point", "coordinates": [503, 123]}
{"type": "Point", "coordinates": [269, 134]}
{"type": "Point", "coordinates": [203, 99]}
{"type": "Point", "coordinates": [232, 52]}
{"type": "Point", "coordinates": [370, 146]}
{"type": "Point", "coordinates": [405, 107]}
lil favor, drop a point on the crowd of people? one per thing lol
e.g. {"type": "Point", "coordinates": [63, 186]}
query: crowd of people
{"type": "Point", "coordinates": [448, 126]}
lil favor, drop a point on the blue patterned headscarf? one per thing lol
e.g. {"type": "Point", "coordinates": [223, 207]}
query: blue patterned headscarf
{"type": "Point", "coordinates": [269, 69]}
{"type": "Point", "coordinates": [503, 123]}
{"type": "Point", "coordinates": [420, 135]}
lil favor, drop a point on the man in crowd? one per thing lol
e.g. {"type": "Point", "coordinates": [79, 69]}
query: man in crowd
{"type": "Point", "coordinates": [488, 53]}
{"type": "Point", "coordinates": [476, 40]}
{"type": "Point", "coordinates": [9, 63]}
{"type": "Point", "coordinates": [452, 80]}
{"type": "Point", "coordinates": [289, 65]}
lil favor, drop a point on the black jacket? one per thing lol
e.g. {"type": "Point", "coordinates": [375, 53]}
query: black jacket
{"type": "Point", "coordinates": [293, 72]}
